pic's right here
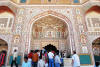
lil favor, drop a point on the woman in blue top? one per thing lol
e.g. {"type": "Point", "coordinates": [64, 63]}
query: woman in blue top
{"type": "Point", "coordinates": [57, 60]}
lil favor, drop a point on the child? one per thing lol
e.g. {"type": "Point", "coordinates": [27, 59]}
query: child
{"type": "Point", "coordinates": [26, 63]}
{"type": "Point", "coordinates": [41, 63]}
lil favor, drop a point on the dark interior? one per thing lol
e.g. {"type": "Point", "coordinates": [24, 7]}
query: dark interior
{"type": "Point", "coordinates": [50, 47]}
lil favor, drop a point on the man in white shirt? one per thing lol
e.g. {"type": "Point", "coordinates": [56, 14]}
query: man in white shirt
{"type": "Point", "coordinates": [51, 60]}
{"type": "Point", "coordinates": [15, 54]}
{"type": "Point", "coordinates": [75, 60]}
{"type": "Point", "coordinates": [41, 63]}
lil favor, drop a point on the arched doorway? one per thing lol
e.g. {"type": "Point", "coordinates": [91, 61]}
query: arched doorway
{"type": "Point", "coordinates": [50, 47]}
{"type": "Point", "coordinates": [93, 24]}
{"type": "Point", "coordinates": [96, 50]}
{"type": "Point", "coordinates": [50, 30]}
{"type": "Point", "coordinates": [3, 51]}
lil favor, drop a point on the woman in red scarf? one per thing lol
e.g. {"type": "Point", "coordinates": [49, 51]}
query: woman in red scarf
{"type": "Point", "coordinates": [2, 56]}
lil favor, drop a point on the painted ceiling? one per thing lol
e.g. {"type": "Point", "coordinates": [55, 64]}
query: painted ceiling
{"type": "Point", "coordinates": [50, 22]}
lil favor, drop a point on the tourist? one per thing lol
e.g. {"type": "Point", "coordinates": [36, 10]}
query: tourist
{"type": "Point", "coordinates": [30, 57]}
{"type": "Point", "coordinates": [46, 58]}
{"type": "Point", "coordinates": [62, 62]}
{"type": "Point", "coordinates": [61, 54]}
{"type": "Point", "coordinates": [41, 63]}
{"type": "Point", "coordinates": [99, 66]}
{"type": "Point", "coordinates": [51, 60]}
{"type": "Point", "coordinates": [46, 65]}
{"type": "Point", "coordinates": [75, 60]}
{"type": "Point", "coordinates": [35, 59]}
{"type": "Point", "coordinates": [61, 59]}
{"type": "Point", "coordinates": [43, 50]}
{"type": "Point", "coordinates": [57, 60]}
{"type": "Point", "coordinates": [2, 59]}
{"type": "Point", "coordinates": [38, 53]}
{"type": "Point", "coordinates": [26, 63]}
{"type": "Point", "coordinates": [15, 54]}
{"type": "Point", "coordinates": [65, 54]}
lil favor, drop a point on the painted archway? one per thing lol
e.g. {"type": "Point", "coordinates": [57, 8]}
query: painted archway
{"type": "Point", "coordinates": [55, 14]}
{"type": "Point", "coordinates": [7, 17]}
{"type": "Point", "coordinates": [92, 16]}
{"type": "Point", "coordinates": [49, 30]}
{"type": "Point", "coordinates": [96, 50]}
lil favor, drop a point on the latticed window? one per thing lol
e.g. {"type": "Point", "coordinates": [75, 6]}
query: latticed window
{"type": "Point", "coordinates": [96, 22]}
{"type": "Point", "coordinates": [93, 24]}
{"type": "Point", "coordinates": [5, 22]}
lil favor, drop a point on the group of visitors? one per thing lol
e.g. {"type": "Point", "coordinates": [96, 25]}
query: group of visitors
{"type": "Point", "coordinates": [42, 59]}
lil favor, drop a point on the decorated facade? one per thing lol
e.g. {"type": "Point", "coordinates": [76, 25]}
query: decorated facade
{"type": "Point", "coordinates": [66, 24]}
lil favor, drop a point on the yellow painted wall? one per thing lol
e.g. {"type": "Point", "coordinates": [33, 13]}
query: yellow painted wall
{"type": "Point", "coordinates": [65, 1]}
{"type": "Point", "coordinates": [46, 1]}
{"type": "Point", "coordinates": [83, 1]}
{"type": "Point", "coordinates": [35, 2]}
{"type": "Point", "coordinates": [16, 1]}
{"type": "Point", "coordinates": [57, 2]}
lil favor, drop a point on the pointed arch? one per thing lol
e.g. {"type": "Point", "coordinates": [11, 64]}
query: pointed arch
{"type": "Point", "coordinates": [57, 15]}
{"type": "Point", "coordinates": [6, 9]}
{"type": "Point", "coordinates": [94, 8]}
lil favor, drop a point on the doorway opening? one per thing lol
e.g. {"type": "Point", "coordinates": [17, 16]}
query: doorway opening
{"type": "Point", "coordinates": [3, 52]}
{"type": "Point", "coordinates": [96, 50]}
{"type": "Point", "coordinates": [51, 30]}
{"type": "Point", "coordinates": [50, 47]}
